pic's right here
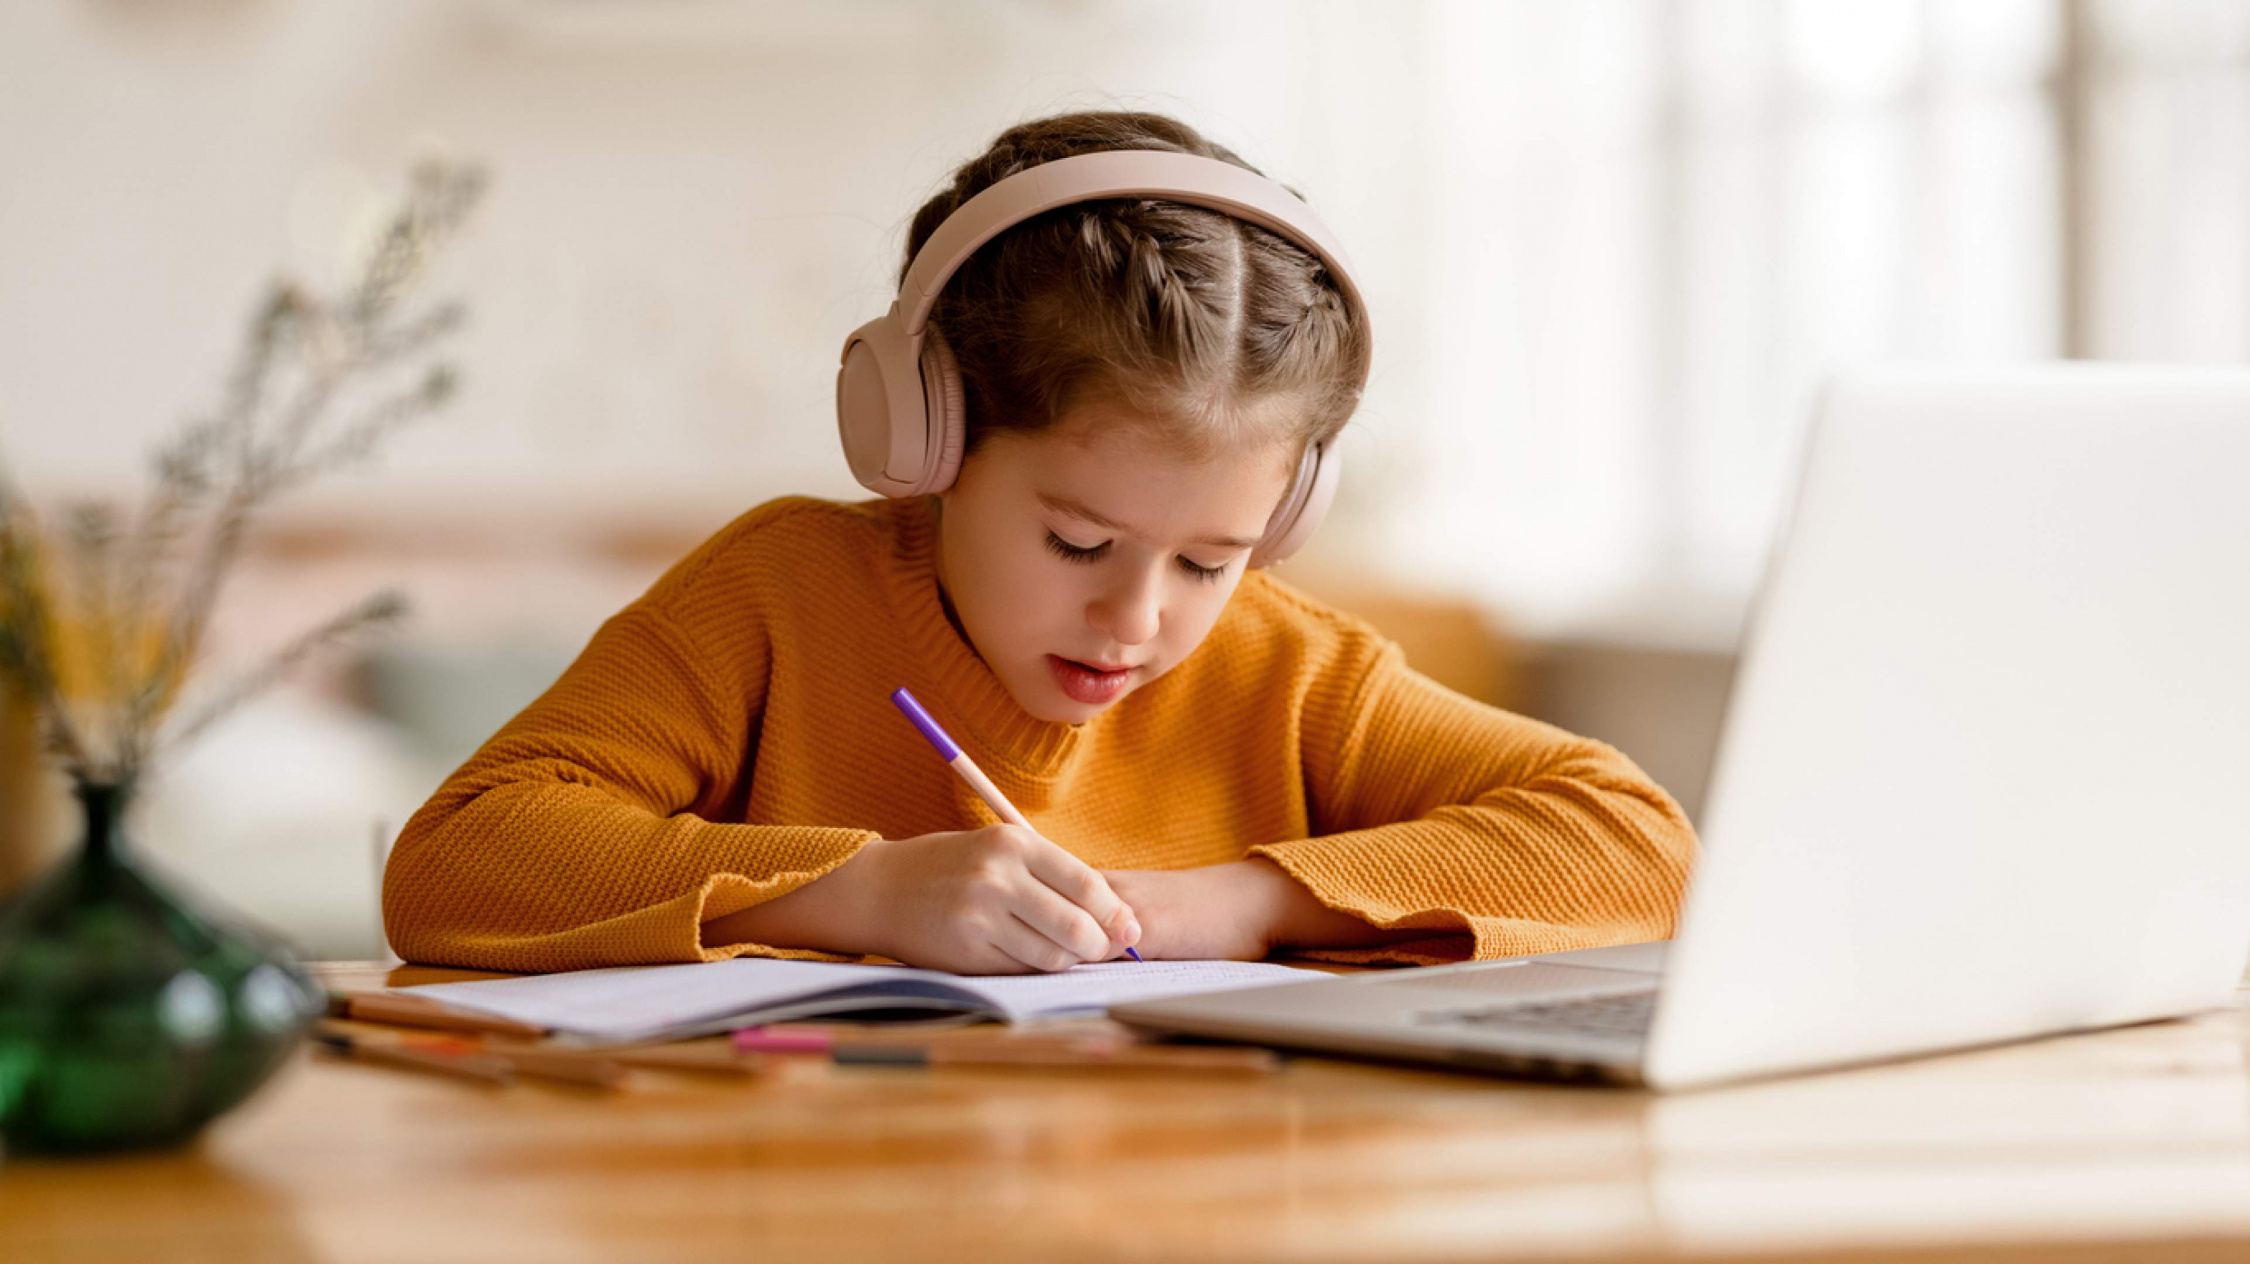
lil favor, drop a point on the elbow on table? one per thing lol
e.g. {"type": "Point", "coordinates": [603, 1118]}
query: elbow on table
{"type": "Point", "coordinates": [428, 885]}
{"type": "Point", "coordinates": [1669, 853]}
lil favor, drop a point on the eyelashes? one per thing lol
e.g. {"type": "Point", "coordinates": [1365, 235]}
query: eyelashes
{"type": "Point", "coordinates": [1065, 549]}
{"type": "Point", "coordinates": [1078, 553]}
{"type": "Point", "coordinates": [1207, 574]}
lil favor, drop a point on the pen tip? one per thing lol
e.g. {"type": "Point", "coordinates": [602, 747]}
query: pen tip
{"type": "Point", "coordinates": [1134, 955]}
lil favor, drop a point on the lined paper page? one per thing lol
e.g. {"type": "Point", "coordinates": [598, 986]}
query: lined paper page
{"type": "Point", "coordinates": [646, 1002]}
{"type": "Point", "coordinates": [634, 1002]}
{"type": "Point", "coordinates": [1089, 989]}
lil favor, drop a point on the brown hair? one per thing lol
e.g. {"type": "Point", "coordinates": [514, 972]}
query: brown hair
{"type": "Point", "coordinates": [1179, 311]}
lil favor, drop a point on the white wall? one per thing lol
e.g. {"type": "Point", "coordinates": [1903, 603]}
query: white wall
{"type": "Point", "coordinates": [693, 203]}
{"type": "Point", "coordinates": [1611, 246]}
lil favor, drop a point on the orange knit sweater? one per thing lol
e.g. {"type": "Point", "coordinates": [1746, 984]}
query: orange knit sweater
{"type": "Point", "coordinates": [729, 737]}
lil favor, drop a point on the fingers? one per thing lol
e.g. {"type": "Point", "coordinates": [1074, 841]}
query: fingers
{"type": "Point", "coordinates": [1068, 926]}
{"type": "Point", "coordinates": [1032, 949]}
{"type": "Point", "coordinates": [1079, 883]}
{"type": "Point", "coordinates": [1019, 902]}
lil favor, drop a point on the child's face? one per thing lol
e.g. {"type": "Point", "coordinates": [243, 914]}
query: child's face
{"type": "Point", "coordinates": [1087, 559]}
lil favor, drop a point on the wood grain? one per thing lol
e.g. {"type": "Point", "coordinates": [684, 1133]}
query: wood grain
{"type": "Point", "coordinates": [2126, 1144]}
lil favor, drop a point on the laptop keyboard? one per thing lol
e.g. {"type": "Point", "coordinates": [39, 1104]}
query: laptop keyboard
{"type": "Point", "coordinates": [1625, 1014]}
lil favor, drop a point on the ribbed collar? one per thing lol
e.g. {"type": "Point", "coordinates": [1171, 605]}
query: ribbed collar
{"type": "Point", "coordinates": [957, 686]}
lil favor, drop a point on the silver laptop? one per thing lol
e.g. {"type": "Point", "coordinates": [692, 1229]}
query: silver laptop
{"type": "Point", "coordinates": [1985, 773]}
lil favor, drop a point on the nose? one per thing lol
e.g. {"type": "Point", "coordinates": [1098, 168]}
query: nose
{"type": "Point", "coordinates": [1127, 612]}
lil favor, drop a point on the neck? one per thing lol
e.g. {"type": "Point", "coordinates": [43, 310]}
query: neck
{"type": "Point", "coordinates": [944, 574]}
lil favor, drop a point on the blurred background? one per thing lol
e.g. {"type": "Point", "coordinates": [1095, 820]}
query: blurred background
{"type": "Point", "coordinates": [1611, 246]}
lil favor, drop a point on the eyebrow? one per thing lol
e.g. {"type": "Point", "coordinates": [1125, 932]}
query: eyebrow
{"type": "Point", "coordinates": [1063, 504]}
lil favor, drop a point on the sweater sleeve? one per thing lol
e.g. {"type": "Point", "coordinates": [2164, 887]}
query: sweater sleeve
{"type": "Point", "coordinates": [1499, 834]}
{"type": "Point", "coordinates": [588, 831]}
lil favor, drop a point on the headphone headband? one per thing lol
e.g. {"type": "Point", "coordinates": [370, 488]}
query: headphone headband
{"type": "Point", "coordinates": [1117, 173]}
{"type": "Point", "coordinates": [899, 405]}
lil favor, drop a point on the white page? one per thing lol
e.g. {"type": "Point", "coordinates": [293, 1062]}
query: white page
{"type": "Point", "coordinates": [624, 1002]}
{"type": "Point", "coordinates": [643, 1002]}
{"type": "Point", "coordinates": [1090, 989]}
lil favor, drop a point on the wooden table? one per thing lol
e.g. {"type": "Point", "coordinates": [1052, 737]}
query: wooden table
{"type": "Point", "coordinates": [2067, 1149]}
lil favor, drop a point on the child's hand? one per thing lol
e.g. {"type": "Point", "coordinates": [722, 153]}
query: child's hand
{"type": "Point", "coordinates": [1219, 912]}
{"type": "Point", "coordinates": [1238, 912]}
{"type": "Point", "coordinates": [997, 900]}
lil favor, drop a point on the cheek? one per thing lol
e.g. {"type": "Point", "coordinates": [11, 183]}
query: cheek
{"type": "Point", "coordinates": [1192, 611]}
{"type": "Point", "coordinates": [1028, 593]}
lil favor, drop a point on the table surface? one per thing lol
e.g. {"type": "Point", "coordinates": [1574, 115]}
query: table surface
{"type": "Point", "coordinates": [2061, 1149]}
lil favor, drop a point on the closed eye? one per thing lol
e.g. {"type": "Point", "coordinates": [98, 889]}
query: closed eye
{"type": "Point", "coordinates": [1207, 574]}
{"type": "Point", "coordinates": [1094, 553]}
{"type": "Point", "coordinates": [1075, 552]}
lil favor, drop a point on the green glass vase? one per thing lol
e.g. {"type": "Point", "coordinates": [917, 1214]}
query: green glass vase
{"type": "Point", "coordinates": [129, 1018]}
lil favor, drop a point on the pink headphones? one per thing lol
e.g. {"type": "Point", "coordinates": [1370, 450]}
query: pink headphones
{"type": "Point", "coordinates": [898, 394]}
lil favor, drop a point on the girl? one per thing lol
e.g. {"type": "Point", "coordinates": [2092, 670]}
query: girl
{"type": "Point", "coordinates": [1216, 765]}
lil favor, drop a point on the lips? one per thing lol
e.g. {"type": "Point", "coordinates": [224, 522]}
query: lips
{"type": "Point", "coordinates": [1092, 684]}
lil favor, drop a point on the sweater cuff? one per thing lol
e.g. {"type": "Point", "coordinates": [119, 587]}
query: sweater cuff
{"type": "Point", "coordinates": [1339, 879]}
{"type": "Point", "coordinates": [1331, 882]}
{"type": "Point", "coordinates": [725, 893]}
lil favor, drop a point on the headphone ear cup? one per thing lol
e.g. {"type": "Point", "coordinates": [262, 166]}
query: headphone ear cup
{"type": "Point", "coordinates": [948, 427]}
{"type": "Point", "coordinates": [1302, 506]}
{"type": "Point", "coordinates": [863, 406]}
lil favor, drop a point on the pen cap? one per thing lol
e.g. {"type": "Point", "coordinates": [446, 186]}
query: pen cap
{"type": "Point", "coordinates": [906, 703]}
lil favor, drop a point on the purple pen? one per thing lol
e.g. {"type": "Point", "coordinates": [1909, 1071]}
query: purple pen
{"type": "Point", "coordinates": [951, 752]}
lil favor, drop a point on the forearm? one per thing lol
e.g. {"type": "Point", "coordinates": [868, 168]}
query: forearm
{"type": "Point", "coordinates": [1238, 911]}
{"type": "Point", "coordinates": [832, 913]}
{"type": "Point", "coordinates": [1289, 915]}
{"type": "Point", "coordinates": [554, 876]}
{"type": "Point", "coordinates": [1496, 834]}
{"type": "Point", "coordinates": [1517, 877]}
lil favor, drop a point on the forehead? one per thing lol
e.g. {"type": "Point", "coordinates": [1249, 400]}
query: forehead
{"type": "Point", "coordinates": [1105, 433]}
{"type": "Point", "coordinates": [1137, 479]}
{"type": "Point", "coordinates": [1193, 431]}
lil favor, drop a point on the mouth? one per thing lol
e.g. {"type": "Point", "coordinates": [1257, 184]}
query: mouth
{"type": "Point", "coordinates": [1093, 684]}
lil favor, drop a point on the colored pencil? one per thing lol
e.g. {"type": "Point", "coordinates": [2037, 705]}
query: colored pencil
{"type": "Point", "coordinates": [413, 1011]}
{"type": "Point", "coordinates": [481, 1067]}
{"type": "Point", "coordinates": [950, 751]}
{"type": "Point", "coordinates": [569, 1066]}
{"type": "Point", "coordinates": [999, 1053]}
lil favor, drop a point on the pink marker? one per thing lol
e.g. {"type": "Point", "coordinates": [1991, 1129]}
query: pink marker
{"type": "Point", "coordinates": [951, 753]}
{"type": "Point", "coordinates": [766, 1040]}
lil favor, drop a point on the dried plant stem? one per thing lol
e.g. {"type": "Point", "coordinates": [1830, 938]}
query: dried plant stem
{"type": "Point", "coordinates": [135, 622]}
{"type": "Point", "coordinates": [371, 612]}
{"type": "Point", "coordinates": [24, 639]}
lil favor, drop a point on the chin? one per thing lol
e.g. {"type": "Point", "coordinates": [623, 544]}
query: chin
{"type": "Point", "coordinates": [1056, 709]}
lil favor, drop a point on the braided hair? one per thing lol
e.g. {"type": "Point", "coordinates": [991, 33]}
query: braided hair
{"type": "Point", "coordinates": [1181, 312]}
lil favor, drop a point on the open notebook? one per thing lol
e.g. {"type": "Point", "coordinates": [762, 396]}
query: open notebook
{"type": "Point", "coordinates": [639, 1003]}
